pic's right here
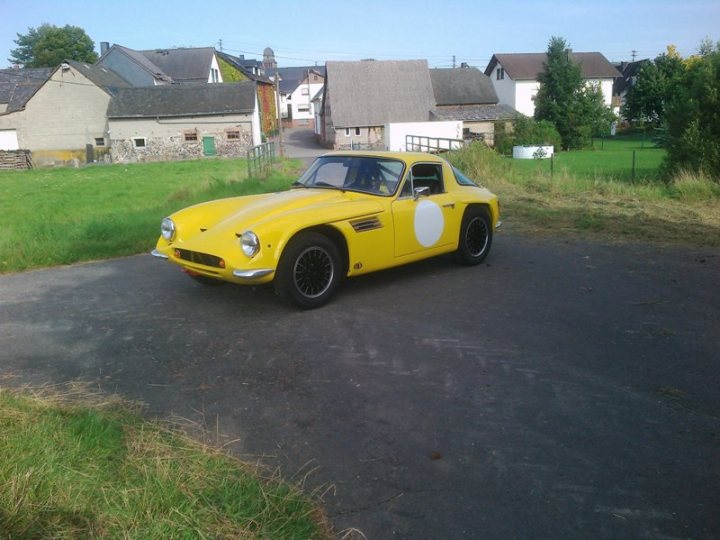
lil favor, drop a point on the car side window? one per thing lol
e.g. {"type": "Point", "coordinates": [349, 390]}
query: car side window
{"type": "Point", "coordinates": [428, 175]}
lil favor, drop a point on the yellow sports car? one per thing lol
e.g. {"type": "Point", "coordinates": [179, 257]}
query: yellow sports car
{"type": "Point", "coordinates": [349, 214]}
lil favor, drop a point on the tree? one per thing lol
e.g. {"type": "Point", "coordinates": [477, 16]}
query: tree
{"type": "Point", "coordinates": [577, 111]}
{"type": "Point", "coordinates": [693, 117]}
{"type": "Point", "coordinates": [657, 82]}
{"type": "Point", "coordinates": [49, 46]}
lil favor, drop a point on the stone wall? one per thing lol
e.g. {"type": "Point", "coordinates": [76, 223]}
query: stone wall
{"type": "Point", "coordinates": [176, 148]}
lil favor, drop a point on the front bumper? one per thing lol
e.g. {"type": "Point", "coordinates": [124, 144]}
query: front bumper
{"type": "Point", "coordinates": [240, 275]}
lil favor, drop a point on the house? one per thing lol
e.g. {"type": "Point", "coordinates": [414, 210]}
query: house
{"type": "Point", "coordinates": [16, 87]}
{"type": "Point", "coordinates": [298, 85]}
{"type": "Point", "coordinates": [160, 123]}
{"type": "Point", "coordinates": [515, 76]}
{"type": "Point", "coordinates": [61, 117]}
{"type": "Point", "coordinates": [265, 88]}
{"type": "Point", "coordinates": [467, 94]}
{"type": "Point", "coordinates": [629, 72]}
{"type": "Point", "coordinates": [361, 97]}
{"type": "Point", "coordinates": [132, 66]}
{"type": "Point", "coordinates": [163, 66]}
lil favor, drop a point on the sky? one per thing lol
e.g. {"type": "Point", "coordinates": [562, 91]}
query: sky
{"type": "Point", "coordinates": [310, 32]}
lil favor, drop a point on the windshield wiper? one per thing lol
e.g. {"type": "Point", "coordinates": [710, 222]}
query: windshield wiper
{"type": "Point", "coordinates": [325, 184]}
{"type": "Point", "coordinates": [297, 184]}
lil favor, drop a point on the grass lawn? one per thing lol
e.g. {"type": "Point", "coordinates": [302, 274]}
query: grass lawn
{"type": "Point", "coordinates": [609, 159]}
{"type": "Point", "coordinates": [70, 470]}
{"type": "Point", "coordinates": [579, 199]}
{"type": "Point", "coordinates": [60, 216]}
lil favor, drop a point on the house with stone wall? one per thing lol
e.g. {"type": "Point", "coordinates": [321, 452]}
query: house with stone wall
{"type": "Point", "coordinates": [163, 123]}
{"type": "Point", "coordinates": [61, 116]}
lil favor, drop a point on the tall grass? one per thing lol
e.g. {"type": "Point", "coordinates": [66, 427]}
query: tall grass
{"type": "Point", "coordinates": [61, 216]}
{"type": "Point", "coordinates": [72, 470]}
{"type": "Point", "coordinates": [685, 210]}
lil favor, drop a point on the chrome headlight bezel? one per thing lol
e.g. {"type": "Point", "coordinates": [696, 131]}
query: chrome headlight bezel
{"type": "Point", "coordinates": [250, 243]}
{"type": "Point", "coordinates": [167, 229]}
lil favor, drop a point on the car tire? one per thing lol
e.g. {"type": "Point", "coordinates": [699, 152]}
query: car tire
{"type": "Point", "coordinates": [476, 236]}
{"type": "Point", "coordinates": [309, 270]}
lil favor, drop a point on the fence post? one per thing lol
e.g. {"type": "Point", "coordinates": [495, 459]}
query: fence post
{"type": "Point", "coordinates": [552, 165]}
{"type": "Point", "coordinates": [633, 166]}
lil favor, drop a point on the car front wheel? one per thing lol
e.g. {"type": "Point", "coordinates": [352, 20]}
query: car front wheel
{"type": "Point", "coordinates": [309, 270]}
{"type": "Point", "coordinates": [475, 237]}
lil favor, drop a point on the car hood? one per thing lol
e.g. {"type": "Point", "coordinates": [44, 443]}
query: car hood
{"type": "Point", "coordinates": [306, 205]}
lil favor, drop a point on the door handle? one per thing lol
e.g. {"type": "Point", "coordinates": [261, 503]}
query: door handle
{"type": "Point", "coordinates": [449, 205]}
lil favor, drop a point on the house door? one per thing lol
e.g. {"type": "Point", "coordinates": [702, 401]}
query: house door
{"type": "Point", "coordinates": [209, 146]}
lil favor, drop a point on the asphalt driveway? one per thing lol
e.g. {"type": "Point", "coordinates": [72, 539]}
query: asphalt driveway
{"type": "Point", "coordinates": [563, 389]}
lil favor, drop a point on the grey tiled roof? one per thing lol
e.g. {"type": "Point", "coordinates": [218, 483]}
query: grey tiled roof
{"type": "Point", "coordinates": [475, 113]}
{"type": "Point", "coordinates": [183, 65]}
{"type": "Point", "coordinates": [183, 100]}
{"type": "Point", "coordinates": [17, 86]}
{"type": "Point", "coordinates": [527, 66]}
{"type": "Point", "coordinates": [101, 76]}
{"type": "Point", "coordinates": [143, 62]}
{"type": "Point", "coordinates": [374, 92]}
{"type": "Point", "coordinates": [291, 77]}
{"type": "Point", "coordinates": [462, 86]}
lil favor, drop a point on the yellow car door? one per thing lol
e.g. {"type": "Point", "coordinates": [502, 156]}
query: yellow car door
{"type": "Point", "coordinates": [425, 216]}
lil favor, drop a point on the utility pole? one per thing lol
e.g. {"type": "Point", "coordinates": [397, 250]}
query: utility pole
{"type": "Point", "coordinates": [279, 113]}
{"type": "Point", "coordinates": [634, 54]}
{"type": "Point", "coordinates": [220, 44]}
{"type": "Point", "coordinates": [453, 61]}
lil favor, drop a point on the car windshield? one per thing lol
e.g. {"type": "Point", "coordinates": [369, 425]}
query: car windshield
{"type": "Point", "coordinates": [366, 174]}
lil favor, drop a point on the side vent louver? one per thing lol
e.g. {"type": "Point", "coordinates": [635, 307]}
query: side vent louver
{"type": "Point", "coordinates": [368, 224]}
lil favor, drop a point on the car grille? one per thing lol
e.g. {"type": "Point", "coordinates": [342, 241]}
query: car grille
{"type": "Point", "coordinates": [200, 258]}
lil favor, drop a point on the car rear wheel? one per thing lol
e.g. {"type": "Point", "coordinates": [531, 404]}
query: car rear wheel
{"type": "Point", "coordinates": [309, 270]}
{"type": "Point", "coordinates": [475, 237]}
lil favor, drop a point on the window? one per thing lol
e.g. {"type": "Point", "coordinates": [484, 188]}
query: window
{"type": "Point", "coordinates": [357, 131]}
{"type": "Point", "coordinates": [305, 91]}
{"type": "Point", "coordinates": [99, 141]}
{"type": "Point", "coordinates": [427, 175]}
{"type": "Point", "coordinates": [500, 74]}
{"type": "Point", "coordinates": [190, 135]}
{"type": "Point", "coordinates": [303, 108]}
{"type": "Point", "coordinates": [347, 132]}
{"type": "Point", "coordinates": [232, 134]}
{"type": "Point", "coordinates": [139, 142]}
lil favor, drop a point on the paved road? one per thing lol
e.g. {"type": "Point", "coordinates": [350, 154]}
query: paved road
{"type": "Point", "coordinates": [561, 390]}
{"type": "Point", "coordinates": [301, 143]}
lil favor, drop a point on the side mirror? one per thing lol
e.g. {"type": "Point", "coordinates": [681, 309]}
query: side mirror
{"type": "Point", "coordinates": [421, 191]}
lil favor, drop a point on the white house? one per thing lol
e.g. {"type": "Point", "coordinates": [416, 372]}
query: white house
{"type": "Point", "coordinates": [515, 76]}
{"type": "Point", "coordinates": [298, 87]}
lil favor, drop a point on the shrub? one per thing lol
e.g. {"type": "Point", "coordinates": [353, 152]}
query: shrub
{"type": "Point", "coordinates": [526, 131]}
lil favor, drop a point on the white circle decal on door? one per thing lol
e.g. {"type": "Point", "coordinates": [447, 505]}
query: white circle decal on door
{"type": "Point", "coordinates": [429, 223]}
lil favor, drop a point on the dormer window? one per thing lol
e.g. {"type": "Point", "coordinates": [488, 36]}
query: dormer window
{"type": "Point", "coordinates": [500, 74]}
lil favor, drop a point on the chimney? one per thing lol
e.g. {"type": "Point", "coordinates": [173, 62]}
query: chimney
{"type": "Point", "coordinates": [568, 53]}
{"type": "Point", "coordinates": [464, 65]}
{"type": "Point", "coordinates": [104, 47]}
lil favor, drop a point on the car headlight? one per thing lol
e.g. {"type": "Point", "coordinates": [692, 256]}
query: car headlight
{"type": "Point", "coordinates": [167, 229]}
{"type": "Point", "coordinates": [249, 243]}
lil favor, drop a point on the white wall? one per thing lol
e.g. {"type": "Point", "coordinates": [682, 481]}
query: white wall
{"type": "Point", "coordinates": [395, 132]}
{"type": "Point", "coordinates": [525, 92]}
{"type": "Point", "coordinates": [8, 139]}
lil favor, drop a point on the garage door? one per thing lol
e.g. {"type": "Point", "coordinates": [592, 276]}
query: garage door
{"type": "Point", "coordinates": [8, 139]}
